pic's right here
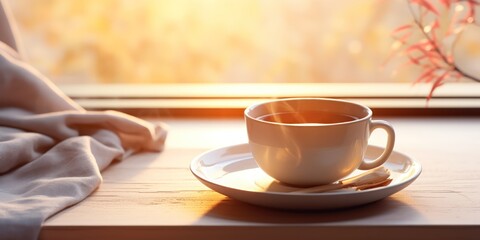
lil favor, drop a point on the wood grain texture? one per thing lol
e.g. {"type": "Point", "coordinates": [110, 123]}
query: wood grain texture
{"type": "Point", "coordinates": [154, 196]}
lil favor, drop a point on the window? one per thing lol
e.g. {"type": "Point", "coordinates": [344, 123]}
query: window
{"type": "Point", "coordinates": [218, 49]}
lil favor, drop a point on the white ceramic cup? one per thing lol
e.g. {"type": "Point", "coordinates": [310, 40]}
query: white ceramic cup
{"type": "Point", "coordinates": [316, 152]}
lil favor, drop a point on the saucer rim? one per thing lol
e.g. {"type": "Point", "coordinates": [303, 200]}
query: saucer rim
{"type": "Point", "coordinates": [224, 189]}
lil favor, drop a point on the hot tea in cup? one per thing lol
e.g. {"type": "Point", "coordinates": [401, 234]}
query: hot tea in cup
{"type": "Point", "coordinates": [313, 141]}
{"type": "Point", "coordinates": [307, 117]}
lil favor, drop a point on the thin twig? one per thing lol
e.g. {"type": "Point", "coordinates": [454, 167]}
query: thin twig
{"type": "Point", "coordinates": [451, 65]}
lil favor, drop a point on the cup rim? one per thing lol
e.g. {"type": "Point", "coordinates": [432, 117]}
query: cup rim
{"type": "Point", "coordinates": [251, 107]}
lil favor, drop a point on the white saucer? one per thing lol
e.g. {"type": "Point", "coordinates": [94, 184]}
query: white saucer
{"type": "Point", "coordinates": [233, 172]}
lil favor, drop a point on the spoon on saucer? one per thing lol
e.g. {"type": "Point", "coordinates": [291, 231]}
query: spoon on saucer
{"type": "Point", "coordinates": [376, 177]}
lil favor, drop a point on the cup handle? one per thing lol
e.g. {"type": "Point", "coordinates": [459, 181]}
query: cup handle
{"type": "Point", "coordinates": [374, 124]}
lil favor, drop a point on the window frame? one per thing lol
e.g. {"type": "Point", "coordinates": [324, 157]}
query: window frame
{"type": "Point", "coordinates": [230, 99]}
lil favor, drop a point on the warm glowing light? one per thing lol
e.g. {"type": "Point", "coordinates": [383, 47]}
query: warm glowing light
{"type": "Point", "coordinates": [459, 8]}
{"type": "Point", "coordinates": [396, 45]}
{"type": "Point", "coordinates": [189, 41]}
{"type": "Point", "coordinates": [427, 29]}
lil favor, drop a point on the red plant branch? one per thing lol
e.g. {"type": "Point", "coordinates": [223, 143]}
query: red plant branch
{"type": "Point", "coordinates": [437, 63]}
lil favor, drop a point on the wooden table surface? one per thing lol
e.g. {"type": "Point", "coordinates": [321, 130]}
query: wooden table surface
{"type": "Point", "coordinates": [154, 196]}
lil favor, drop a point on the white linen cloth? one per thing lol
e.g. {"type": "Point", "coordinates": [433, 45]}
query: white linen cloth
{"type": "Point", "coordinates": [51, 150]}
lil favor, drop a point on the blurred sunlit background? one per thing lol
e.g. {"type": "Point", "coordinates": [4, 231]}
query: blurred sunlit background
{"type": "Point", "coordinates": [190, 41]}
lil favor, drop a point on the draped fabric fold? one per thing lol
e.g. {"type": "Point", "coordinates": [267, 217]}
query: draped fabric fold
{"type": "Point", "coordinates": [52, 151]}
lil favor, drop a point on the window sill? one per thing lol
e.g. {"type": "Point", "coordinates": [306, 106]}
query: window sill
{"type": "Point", "coordinates": [231, 99]}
